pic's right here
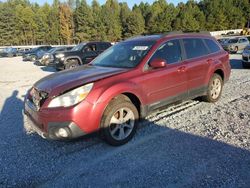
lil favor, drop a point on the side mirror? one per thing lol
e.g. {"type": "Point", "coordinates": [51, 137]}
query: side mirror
{"type": "Point", "coordinates": [158, 63]}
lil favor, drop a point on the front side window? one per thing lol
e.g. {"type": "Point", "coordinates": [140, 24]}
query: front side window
{"type": "Point", "coordinates": [90, 48]}
{"type": "Point", "coordinates": [194, 48]}
{"type": "Point", "coordinates": [232, 41]}
{"type": "Point", "coordinates": [169, 51]}
{"type": "Point", "coordinates": [78, 47]}
{"type": "Point", "coordinates": [124, 55]}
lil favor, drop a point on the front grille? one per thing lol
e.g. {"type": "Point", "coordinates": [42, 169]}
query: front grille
{"type": "Point", "coordinates": [38, 97]}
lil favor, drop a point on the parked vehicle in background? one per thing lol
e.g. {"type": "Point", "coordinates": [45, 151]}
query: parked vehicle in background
{"type": "Point", "coordinates": [246, 57]}
{"type": "Point", "coordinates": [236, 44]}
{"type": "Point", "coordinates": [125, 83]}
{"type": "Point", "coordinates": [32, 54]}
{"type": "Point", "coordinates": [8, 52]}
{"type": "Point", "coordinates": [79, 55]}
{"type": "Point", "coordinates": [223, 40]}
{"type": "Point", "coordinates": [48, 57]}
{"type": "Point", "coordinates": [21, 51]}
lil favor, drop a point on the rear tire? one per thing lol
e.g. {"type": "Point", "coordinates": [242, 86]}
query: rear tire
{"type": "Point", "coordinates": [214, 89]}
{"type": "Point", "coordinates": [70, 64]}
{"type": "Point", "coordinates": [119, 122]}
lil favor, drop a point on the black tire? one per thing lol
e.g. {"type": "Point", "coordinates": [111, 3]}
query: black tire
{"type": "Point", "coordinates": [72, 63]}
{"type": "Point", "coordinates": [236, 49]}
{"type": "Point", "coordinates": [244, 65]}
{"type": "Point", "coordinates": [213, 96]}
{"type": "Point", "coordinates": [115, 106]}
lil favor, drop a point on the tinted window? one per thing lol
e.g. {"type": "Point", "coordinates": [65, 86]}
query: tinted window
{"type": "Point", "coordinates": [124, 54]}
{"type": "Point", "coordinates": [104, 46]}
{"type": "Point", "coordinates": [231, 41]}
{"type": "Point", "coordinates": [170, 51]}
{"type": "Point", "coordinates": [213, 47]}
{"type": "Point", "coordinates": [194, 48]}
{"type": "Point", "coordinates": [90, 48]}
{"type": "Point", "coordinates": [243, 40]}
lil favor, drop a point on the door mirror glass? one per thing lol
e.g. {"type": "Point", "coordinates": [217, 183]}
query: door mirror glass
{"type": "Point", "coordinates": [158, 63]}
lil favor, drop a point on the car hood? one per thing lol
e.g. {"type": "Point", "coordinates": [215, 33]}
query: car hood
{"type": "Point", "coordinates": [59, 82]}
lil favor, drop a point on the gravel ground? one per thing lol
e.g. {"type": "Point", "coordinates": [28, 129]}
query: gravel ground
{"type": "Point", "coordinates": [193, 144]}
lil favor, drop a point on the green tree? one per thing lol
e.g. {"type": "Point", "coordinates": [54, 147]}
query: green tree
{"type": "Point", "coordinates": [135, 23]}
{"type": "Point", "coordinates": [65, 18]}
{"type": "Point", "coordinates": [54, 24]}
{"type": "Point", "coordinates": [125, 12]}
{"type": "Point", "coordinates": [161, 17]}
{"type": "Point", "coordinates": [98, 32]}
{"type": "Point", "coordinates": [190, 17]}
{"type": "Point", "coordinates": [111, 19]}
{"type": "Point", "coordinates": [84, 21]}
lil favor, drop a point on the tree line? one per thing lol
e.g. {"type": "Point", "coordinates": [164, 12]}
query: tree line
{"type": "Point", "coordinates": [74, 21]}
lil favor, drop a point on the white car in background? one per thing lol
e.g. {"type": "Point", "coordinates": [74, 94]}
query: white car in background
{"type": "Point", "coordinates": [246, 57]}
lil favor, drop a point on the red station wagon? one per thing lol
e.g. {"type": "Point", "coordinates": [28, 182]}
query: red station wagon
{"type": "Point", "coordinates": [125, 83]}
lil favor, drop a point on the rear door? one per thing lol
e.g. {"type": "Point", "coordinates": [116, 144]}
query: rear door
{"type": "Point", "coordinates": [169, 84]}
{"type": "Point", "coordinates": [197, 63]}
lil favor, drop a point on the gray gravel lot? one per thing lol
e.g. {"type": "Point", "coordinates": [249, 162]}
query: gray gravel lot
{"type": "Point", "coordinates": [194, 144]}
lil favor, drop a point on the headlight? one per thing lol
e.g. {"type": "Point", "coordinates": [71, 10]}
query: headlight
{"type": "Point", "coordinates": [59, 55]}
{"type": "Point", "coordinates": [72, 97]}
{"type": "Point", "coordinates": [45, 56]}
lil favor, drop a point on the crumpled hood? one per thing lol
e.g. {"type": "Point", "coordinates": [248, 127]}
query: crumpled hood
{"type": "Point", "coordinates": [59, 82]}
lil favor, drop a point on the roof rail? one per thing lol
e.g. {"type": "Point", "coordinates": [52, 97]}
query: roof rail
{"type": "Point", "coordinates": [189, 31]}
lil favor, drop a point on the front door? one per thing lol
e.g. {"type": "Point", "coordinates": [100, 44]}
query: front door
{"type": "Point", "coordinates": [169, 84]}
{"type": "Point", "coordinates": [89, 53]}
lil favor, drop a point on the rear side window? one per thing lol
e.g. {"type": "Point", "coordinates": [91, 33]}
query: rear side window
{"type": "Point", "coordinates": [194, 48]}
{"type": "Point", "coordinates": [213, 47]}
{"type": "Point", "coordinates": [170, 51]}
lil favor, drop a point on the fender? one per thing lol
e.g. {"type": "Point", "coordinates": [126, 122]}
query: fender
{"type": "Point", "coordinates": [216, 66]}
{"type": "Point", "coordinates": [72, 57]}
{"type": "Point", "coordinates": [117, 89]}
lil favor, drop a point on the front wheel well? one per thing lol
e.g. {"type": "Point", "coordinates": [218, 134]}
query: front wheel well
{"type": "Point", "coordinates": [75, 59]}
{"type": "Point", "coordinates": [221, 73]}
{"type": "Point", "coordinates": [135, 100]}
{"type": "Point", "coordinates": [131, 98]}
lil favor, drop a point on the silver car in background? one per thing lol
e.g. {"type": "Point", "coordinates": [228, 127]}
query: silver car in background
{"type": "Point", "coordinates": [236, 44]}
{"type": "Point", "coordinates": [246, 57]}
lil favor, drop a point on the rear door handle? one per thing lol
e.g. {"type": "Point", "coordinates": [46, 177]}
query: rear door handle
{"type": "Point", "coordinates": [181, 69]}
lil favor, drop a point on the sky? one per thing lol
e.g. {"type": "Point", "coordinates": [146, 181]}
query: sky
{"type": "Point", "coordinates": [130, 2]}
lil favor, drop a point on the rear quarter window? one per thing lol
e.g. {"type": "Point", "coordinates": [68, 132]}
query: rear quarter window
{"type": "Point", "coordinates": [213, 47]}
{"type": "Point", "coordinates": [195, 47]}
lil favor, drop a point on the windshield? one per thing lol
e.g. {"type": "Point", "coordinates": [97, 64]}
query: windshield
{"type": "Point", "coordinates": [124, 54]}
{"type": "Point", "coordinates": [7, 49]}
{"type": "Point", "coordinates": [52, 50]}
{"type": "Point", "coordinates": [233, 41]}
{"type": "Point", "coordinates": [33, 49]}
{"type": "Point", "coordinates": [78, 47]}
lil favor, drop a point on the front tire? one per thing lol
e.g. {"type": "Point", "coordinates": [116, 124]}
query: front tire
{"type": "Point", "coordinates": [214, 89]}
{"type": "Point", "coordinates": [119, 122]}
{"type": "Point", "coordinates": [71, 64]}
